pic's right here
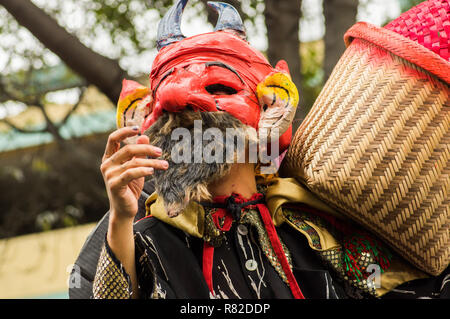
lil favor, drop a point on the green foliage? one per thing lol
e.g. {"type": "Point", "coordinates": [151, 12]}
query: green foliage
{"type": "Point", "coordinates": [46, 220]}
{"type": "Point", "coordinates": [117, 17]}
{"type": "Point", "coordinates": [119, 29]}
{"type": "Point", "coordinates": [26, 84]}
{"type": "Point", "coordinates": [18, 46]}
{"type": "Point", "coordinates": [40, 166]}
{"type": "Point", "coordinates": [49, 220]}
{"type": "Point", "coordinates": [14, 173]}
{"type": "Point", "coordinates": [408, 4]}
{"type": "Point", "coordinates": [48, 189]}
{"type": "Point", "coordinates": [312, 54]}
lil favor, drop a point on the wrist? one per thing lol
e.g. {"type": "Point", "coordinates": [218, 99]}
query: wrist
{"type": "Point", "coordinates": [120, 219]}
{"type": "Point", "coordinates": [116, 221]}
{"type": "Point", "coordinates": [120, 229]}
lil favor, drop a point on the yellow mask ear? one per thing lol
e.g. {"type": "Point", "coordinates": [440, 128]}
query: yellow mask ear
{"type": "Point", "coordinates": [134, 104]}
{"type": "Point", "coordinates": [278, 97]}
{"type": "Point", "coordinates": [278, 86]}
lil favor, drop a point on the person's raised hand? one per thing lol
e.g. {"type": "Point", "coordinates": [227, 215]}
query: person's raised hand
{"type": "Point", "coordinates": [124, 171]}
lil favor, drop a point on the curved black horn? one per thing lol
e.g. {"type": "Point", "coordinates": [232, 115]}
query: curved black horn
{"type": "Point", "coordinates": [169, 30]}
{"type": "Point", "coordinates": [229, 18]}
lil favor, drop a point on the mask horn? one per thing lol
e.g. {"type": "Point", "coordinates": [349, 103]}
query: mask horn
{"type": "Point", "coordinates": [229, 19]}
{"type": "Point", "coordinates": [169, 30]}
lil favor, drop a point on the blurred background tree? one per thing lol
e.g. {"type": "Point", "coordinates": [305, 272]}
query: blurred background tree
{"type": "Point", "coordinates": [74, 47]}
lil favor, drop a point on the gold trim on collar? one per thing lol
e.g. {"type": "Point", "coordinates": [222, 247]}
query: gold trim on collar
{"type": "Point", "coordinates": [288, 190]}
{"type": "Point", "coordinates": [191, 221]}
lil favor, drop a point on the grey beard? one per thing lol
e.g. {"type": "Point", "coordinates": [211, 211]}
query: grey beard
{"type": "Point", "coordinates": [186, 181]}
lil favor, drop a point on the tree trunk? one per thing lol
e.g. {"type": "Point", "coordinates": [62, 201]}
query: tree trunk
{"type": "Point", "coordinates": [282, 18]}
{"type": "Point", "coordinates": [98, 70]}
{"type": "Point", "coordinates": [340, 15]}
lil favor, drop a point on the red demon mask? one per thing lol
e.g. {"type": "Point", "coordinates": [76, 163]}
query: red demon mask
{"type": "Point", "coordinates": [217, 71]}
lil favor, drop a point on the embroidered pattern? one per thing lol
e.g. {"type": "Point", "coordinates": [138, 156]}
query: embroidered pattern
{"type": "Point", "coordinates": [251, 217]}
{"type": "Point", "coordinates": [358, 248]}
{"type": "Point", "coordinates": [212, 235]}
{"type": "Point", "coordinates": [111, 281]}
{"type": "Point", "coordinates": [227, 277]}
{"type": "Point", "coordinates": [150, 288]}
{"type": "Point", "coordinates": [360, 251]}
{"type": "Point", "coordinates": [256, 282]}
{"type": "Point", "coordinates": [335, 259]}
{"type": "Point", "coordinates": [298, 220]}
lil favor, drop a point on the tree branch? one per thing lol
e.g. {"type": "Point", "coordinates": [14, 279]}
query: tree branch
{"type": "Point", "coordinates": [21, 130]}
{"type": "Point", "coordinates": [97, 69]}
{"type": "Point", "coordinates": [7, 94]}
{"type": "Point", "coordinates": [73, 109]}
{"type": "Point", "coordinates": [50, 126]}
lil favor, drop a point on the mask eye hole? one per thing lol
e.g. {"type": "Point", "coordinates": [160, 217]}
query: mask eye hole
{"type": "Point", "coordinates": [220, 89]}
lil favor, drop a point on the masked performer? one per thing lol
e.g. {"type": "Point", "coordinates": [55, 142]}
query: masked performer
{"type": "Point", "coordinates": [217, 228]}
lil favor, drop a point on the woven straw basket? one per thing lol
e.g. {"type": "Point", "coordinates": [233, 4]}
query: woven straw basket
{"type": "Point", "coordinates": [376, 144]}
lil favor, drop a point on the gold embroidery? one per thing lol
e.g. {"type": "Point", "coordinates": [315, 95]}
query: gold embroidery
{"type": "Point", "coordinates": [251, 217]}
{"type": "Point", "coordinates": [110, 281]}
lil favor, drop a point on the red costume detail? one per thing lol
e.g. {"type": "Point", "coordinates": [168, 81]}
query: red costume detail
{"type": "Point", "coordinates": [208, 257]}
{"type": "Point", "coordinates": [276, 244]}
{"type": "Point", "coordinates": [223, 221]}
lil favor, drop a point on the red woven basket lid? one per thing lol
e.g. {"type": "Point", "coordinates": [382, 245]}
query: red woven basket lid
{"type": "Point", "coordinates": [420, 35]}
